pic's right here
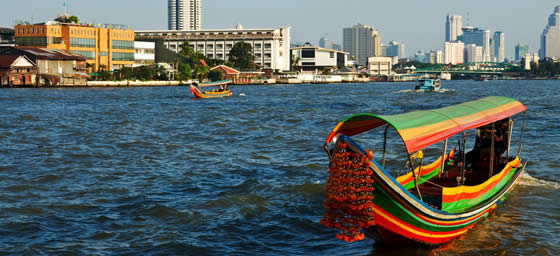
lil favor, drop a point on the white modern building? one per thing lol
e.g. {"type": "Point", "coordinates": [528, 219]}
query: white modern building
{"type": "Point", "coordinates": [453, 25]}
{"type": "Point", "coordinates": [380, 66]}
{"type": "Point", "coordinates": [184, 14]}
{"type": "Point", "coordinates": [144, 53]}
{"type": "Point", "coordinates": [473, 53]}
{"type": "Point", "coordinates": [454, 52]}
{"type": "Point", "coordinates": [550, 38]}
{"type": "Point", "coordinates": [316, 59]}
{"type": "Point", "coordinates": [499, 46]}
{"type": "Point", "coordinates": [271, 47]}
{"type": "Point", "coordinates": [361, 41]}
{"type": "Point", "coordinates": [434, 57]}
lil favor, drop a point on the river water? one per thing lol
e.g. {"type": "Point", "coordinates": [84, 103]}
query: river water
{"type": "Point", "coordinates": [151, 171]}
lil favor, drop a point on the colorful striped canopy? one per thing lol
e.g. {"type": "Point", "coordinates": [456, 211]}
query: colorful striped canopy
{"type": "Point", "coordinates": [423, 128]}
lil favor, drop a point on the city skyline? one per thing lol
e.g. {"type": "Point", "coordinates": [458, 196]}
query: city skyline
{"type": "Point", "coordinates": [425, 21]}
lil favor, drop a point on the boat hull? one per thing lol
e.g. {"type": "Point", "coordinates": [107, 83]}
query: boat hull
{"type": "Point", "coordinates": [399, 222]}
{"type": "Point", "coordinates": [205, 95]}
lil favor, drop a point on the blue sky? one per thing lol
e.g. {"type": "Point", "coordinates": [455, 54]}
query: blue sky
{"type": "Point", "coordinates": [419, 24]}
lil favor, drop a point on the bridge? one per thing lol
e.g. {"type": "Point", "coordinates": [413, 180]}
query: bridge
{"type": "Point", "coordinates": [473, 68]}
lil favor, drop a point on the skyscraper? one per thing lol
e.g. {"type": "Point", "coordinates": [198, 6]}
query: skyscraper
{"type": "Point", "coordinates": [325, 42]}
{"type": "Point", "coordinates": [520, 51]}
{"type": "Point", "coordinates": [184, 14]}
{"type": "Point", "coordinates": [499, 46]}
{"type": "Point", "coordinates": [361, 41]}
{"type": "Point", "coordinates": [478, 37]}
{"type": "Point", "coordinates": [453, 27]}
{"type": "Point", "coordinates": [395, 49]}
{"type": "Point", "coordinates": [550, 38]}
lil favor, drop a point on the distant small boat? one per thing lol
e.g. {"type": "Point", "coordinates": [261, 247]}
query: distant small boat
{"type": "Point", "coordinates": [222, 90]}
{"type": "Point", "coordinates": [428, 85]}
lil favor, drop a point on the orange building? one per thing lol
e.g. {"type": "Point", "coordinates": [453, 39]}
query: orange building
{"type": "Point", "coordinates": [107, 47]}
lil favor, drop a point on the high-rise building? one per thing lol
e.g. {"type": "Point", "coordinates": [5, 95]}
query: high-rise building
{"type": "Point", "coordinates": [325, 42]}
{"type": "Point", "coordinates": [453, 27]}
{"type": "Point", "coordinates": [499, 46]}
{"type": "Point", "coordinates": [184, 14]}
{"type": "Point", "coordinates": [550, 38]}
{"type": "Point", "coordinates": [520, 51]}
{"type": "Point", "coordinates": [479, 37]}
{"type": "Point", "coordinates": [395, 49]}
{"type": "Point", "coordinates": [361, 41]}
{"type": "Point", "coordinates": [473, 53]}
{"type": "Point", "coordinates": [454, 52]}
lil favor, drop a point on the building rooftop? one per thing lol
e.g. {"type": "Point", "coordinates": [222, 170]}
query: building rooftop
{"type": "Point", "coordinates": [43, 54]}
{"type": "Point", "coordinates": [318, 48]}
{"type": "Point", "coordinates": [6, 30]}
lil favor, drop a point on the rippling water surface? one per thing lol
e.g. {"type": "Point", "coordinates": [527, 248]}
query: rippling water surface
{"type": "Point", "coordinates": [151, 171]}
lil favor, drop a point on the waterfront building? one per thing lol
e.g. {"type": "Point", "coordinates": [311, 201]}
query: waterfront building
{"type": "Point", "coordinates": [380, 66]}
{"type": "Point", "coordinates": [6, 37]}
{"type": "Point", "coordinates": [454, 52]}
{"type": "Point", "coordinates": [550, 37]}
{"type": "Point", "coordinates": [184, 14]}
{"type": "Point", "coordinates": [316, 59]}
{"type": "Point", "coordinates": [473, 53]}
{"type": "Point", "coordinates": [453, 25]}
{"type": "Point", "coordinates": [17, 70]}
{"type": "Point", "coordinates": [54, 66]}
{"type": "Point", "coordinates": [144, 53]}
{"type": "Point", "coordinates": [271, 47]}
{"type": "Point", "coordinates": [499, 46]}
{"type": "Point", "coordinates": [520, 51]}
{"type": "Point", "coordinates": [361, 41]}
{"type": "Point", "coordinates": [109, 46]}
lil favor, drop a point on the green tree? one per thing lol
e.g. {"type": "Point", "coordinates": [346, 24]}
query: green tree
{"type": "Point", "coordinates": [185, 72]}
{"type": "Point", "coordinates": [126, 73]}
{"type": "Point", "coordinates": [215, 75]}
{"type": "Point", "coordinates": [241, 56]}
{"type": "Point", "coordinates": [144, 73]}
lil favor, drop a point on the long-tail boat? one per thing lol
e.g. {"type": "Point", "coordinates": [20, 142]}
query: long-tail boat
{"type": "Point", "coordinates": [428, 204]}
{"type": "Point", "coordinates": [222, 90]}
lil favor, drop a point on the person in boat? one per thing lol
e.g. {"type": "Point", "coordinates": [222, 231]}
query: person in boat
{"type": "Point", "coordinates": [479, 157]}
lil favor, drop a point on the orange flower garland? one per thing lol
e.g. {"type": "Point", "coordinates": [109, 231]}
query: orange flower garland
{"type": "Point", "coordinates": [349, 188]}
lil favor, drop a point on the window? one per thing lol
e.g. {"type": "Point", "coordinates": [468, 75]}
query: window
{"type": "Point", "coordinates": [307, 53]}
{"type": "Point", "coordinates": [32, 41]}
{"type": "Point", "coordinates": [123, 56]}
{"type": "Point", "coordinates": [119, 44]}
{"type": "Point", "coordinates": [87, 54]}
{"type": "Point", "coordinates": [332, 55]}
{"type": "Point", "coordinates": [82, 42]}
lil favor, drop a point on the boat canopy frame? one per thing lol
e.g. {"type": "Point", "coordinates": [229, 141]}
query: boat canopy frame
{"type": "Point", "coordinates": [423, 128]}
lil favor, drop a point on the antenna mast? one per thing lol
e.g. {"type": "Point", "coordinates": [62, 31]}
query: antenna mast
{"type": "Point", "coordinates": [65, 7]}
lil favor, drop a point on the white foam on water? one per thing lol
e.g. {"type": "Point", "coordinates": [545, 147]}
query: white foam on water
{"type": "Point", "coordinates": [423, 91]}
{"type": "Point", "coordinates": [529, 180]}
{"type": "Point", "coordinates": [242, 94]}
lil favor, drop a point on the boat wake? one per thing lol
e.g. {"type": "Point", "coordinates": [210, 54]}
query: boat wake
{"type": "Point", "coordinates": [422, 91]}
{"type": "Point", "coordinates": [529, 180]}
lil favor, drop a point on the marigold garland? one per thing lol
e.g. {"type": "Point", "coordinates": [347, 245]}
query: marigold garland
{"type": "Point", "coordinates": [348, 201]}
